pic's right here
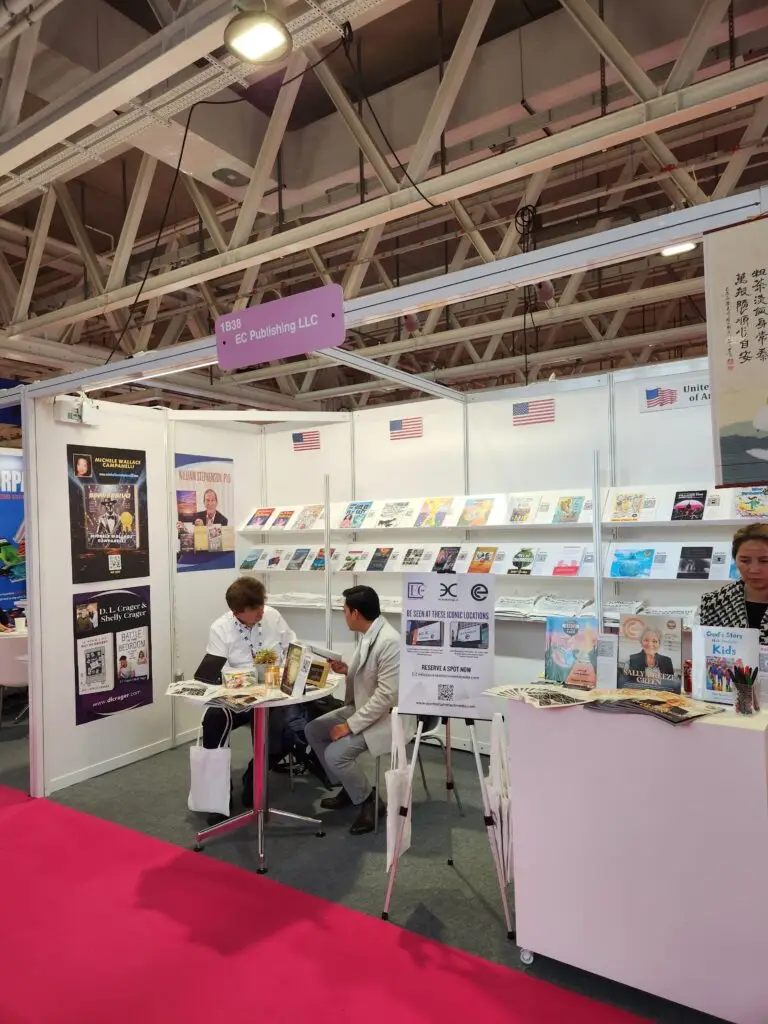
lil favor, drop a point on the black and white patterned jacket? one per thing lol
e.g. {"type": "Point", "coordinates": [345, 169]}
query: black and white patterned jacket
{"type": "Point", "coordinates": [728, 607]}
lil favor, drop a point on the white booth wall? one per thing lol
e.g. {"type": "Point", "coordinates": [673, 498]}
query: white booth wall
{"type": "Point", "coordinates": [72, 753]}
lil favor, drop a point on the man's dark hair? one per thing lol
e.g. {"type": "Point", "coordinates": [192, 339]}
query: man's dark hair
{"type": "Point", "coordinates": [364, 600]}
{"type": "Point", "coordinates": [245, 593]}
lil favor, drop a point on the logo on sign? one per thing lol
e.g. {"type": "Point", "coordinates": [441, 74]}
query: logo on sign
{"type": "Point", "coordinates": [448, 590]}
{"type": "Point", "coordinates": [570, 628]}
{"type": "Point", "coordinates": [415, 591]}
{"type": "Point", "coordinates": [479, 592]}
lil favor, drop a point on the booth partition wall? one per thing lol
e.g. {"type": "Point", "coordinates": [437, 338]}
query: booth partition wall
{"type": "Point", "coordinates": [476, 448]}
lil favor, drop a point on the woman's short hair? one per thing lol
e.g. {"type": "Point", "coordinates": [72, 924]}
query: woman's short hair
{"type": "Point", "coordinates": [650, 631]}
{"type": "Point", "coordinates": [752, 531]}
{"type": "Point", "coordinates": [245, 593]}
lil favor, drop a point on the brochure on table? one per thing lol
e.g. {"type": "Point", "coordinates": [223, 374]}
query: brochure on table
{"type": "Point", "coordinates": [620, 506]}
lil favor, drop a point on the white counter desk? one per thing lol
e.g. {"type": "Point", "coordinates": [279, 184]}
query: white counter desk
{"type": "Point", "coordinates": [641, 851]}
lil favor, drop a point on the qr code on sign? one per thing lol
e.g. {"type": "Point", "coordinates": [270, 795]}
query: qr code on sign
{"type": "Point", "coordinates": [115, 563]}
{"type": "Point", "coordinates": [445, 691]}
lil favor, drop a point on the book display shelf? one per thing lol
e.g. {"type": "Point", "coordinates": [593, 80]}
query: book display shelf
{"type": "Point", "coordinates": [657, 533]}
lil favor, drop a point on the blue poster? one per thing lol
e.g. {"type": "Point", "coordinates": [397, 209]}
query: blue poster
{"type": "Point", "coordinates": [13, 565]}
{"type": "Point", "coordinates": [205, 529]}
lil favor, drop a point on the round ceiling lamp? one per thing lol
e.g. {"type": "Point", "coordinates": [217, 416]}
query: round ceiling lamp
{"type": "Point", "coordinates": [258, 37]}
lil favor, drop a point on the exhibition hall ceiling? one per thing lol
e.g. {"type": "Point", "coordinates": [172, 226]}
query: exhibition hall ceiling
{"type": "Point", "coordinates": [139, 160]}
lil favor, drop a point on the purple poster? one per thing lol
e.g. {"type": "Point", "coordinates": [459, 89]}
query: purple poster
{"type": "Point", "coordinates": [113, 652]}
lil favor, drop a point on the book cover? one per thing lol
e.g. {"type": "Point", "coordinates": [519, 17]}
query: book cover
{"type": "Point", "coordinates": [569, 560]}
{"type": "Point", "coordinates": [523, 508]}
{"type": "Point", "coordinates": [394, 514]}
{"type": "Point", "coordinates": [522, 562]}
{"type": "Point", "coordinates": [570, 654]}
{"type": "Point", "coordinates": [227, 538]}
{"type": "Point", "coordinates": [379, 559]}
{"type": "Point", "coordinates": [186, 506]}
{"type": "Point", "coordinates": [200, 538]}
{"type": "Point", "coordinates": [355, 560]}
{"type": "Point", "coordinates": [215, 540]}
{"type": "Point", "coordinates": [354, 515]}
{"type": "Point", "coordinates": [95, 661]}
{"type": "Point", "coordinates": [297, 559]}
{"type": "Point", "coordinates": [568, 508]}
{"type": "Point", "coordinates": [250, 560]}
{"type": "Point", "coordinates": [689, 506]}
{"type": "Point", "coordinates": [752, 502]}
{"type": "Point", "coordinates": [110, 516]}
{"type": "Point", "coordinates": [669, 707]}
{"type": "Point", "coordinates": [309, 516]}
{"type": "Point", "coordinates": [695, 563]}
{"type": "Point", "coordinates": [650, 653]}
{"type": "Point", "coordinates": [482, 560]}
{"type": "Point", "coordinates": [446, 559]}
{"type": "Point", "coordinates": [259, 518]}
{"type": "Point", "coordinates": [476, 512]}
{"type": "Point", "coordinates": [276, 557]}
{"type": "Point", "coordinates": [186, 537]}
{"type": "Point", "coordinates": [627, 507]}
{"type": "Point", "coordinates": [318, 562]}
{"type": "Point", "coordinates": [631, 563]}
{"type": "Point", "coordinates": [716, 650]}
{"type": "Point", "coordinates": [433, 512]}
{"type": "Point", "coordinates": [413, 558]}
{"type": "Point", "coordinates": [283, 518]}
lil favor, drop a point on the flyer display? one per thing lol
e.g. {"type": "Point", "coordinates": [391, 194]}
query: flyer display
{"type": "Point", "coordinates": [113, 653]}
{"type": "Point", "coordinates": [204, 513]}
{"type": "Point", "coordinates": [107, 513]}
{"type": "Point", "coordinates": [447, 646]}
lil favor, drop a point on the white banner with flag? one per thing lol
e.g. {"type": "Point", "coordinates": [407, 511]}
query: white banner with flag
{"type": "Point", "coordinates": [676, 391]}
{"type": "Point", "coordinates": [447, 645]}
{"type": "Point", "coordinates": [736, 282]}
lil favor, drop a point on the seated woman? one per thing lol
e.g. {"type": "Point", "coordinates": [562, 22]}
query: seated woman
{"type": "Point", "coordinates": [744, 604]}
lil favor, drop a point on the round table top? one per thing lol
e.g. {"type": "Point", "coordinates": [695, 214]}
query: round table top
{"type": "Point", "coordinates": [304, 698]}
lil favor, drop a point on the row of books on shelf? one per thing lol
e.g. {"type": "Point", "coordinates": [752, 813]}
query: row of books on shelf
{"type": "Point", "coordinates": [662, 561]}
{"type": "Point", "coordinates": [651, 504]}
{"type": "Point", "coordinates": [532, 608]}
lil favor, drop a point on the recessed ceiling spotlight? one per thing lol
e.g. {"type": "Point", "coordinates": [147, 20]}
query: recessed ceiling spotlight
{"type": "Point", "coordinates": [678, 249]}
{"type": "Point", "coordinates": [256, 36]}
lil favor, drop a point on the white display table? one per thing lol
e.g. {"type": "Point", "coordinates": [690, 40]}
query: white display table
{"type": "Point", "coordinates": [641, 851]}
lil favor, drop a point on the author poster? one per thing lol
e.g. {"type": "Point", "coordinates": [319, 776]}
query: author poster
{"type": "Point", "coordinates": [13, 562]}
{"type": "Point", "coordinates": [108, 513]}
{"type": "Point", "coordinates": [205, 509]}
{"type": "Point", "coordinates": [113, 653]}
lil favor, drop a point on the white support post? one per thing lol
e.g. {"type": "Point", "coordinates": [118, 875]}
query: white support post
{"type": "Point", "coordinates": [18, 64]}
{"type": "Point", "coordinates": [35, 255]}
{"type": "Point", "coordinates": [270, 146]}
{"type": "Point", "coordinates": [597, 536]}
{"type": "Point", "coordinates": [327, 567]}
{"type": "Point", "coordinates": [133, 216]}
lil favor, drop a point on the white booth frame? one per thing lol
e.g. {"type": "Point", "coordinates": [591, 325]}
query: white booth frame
{"type": "Point", "coordinates": [611, 247]}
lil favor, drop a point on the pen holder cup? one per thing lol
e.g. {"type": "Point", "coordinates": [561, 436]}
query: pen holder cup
{"type": "Point", "coordinates": [745, 699]}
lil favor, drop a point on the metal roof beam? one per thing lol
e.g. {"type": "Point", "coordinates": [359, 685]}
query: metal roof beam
{"type": "Point", "coordinates": [696, 45]}
{"type": "Point", "coordinates": [35, 254]}
{"type": "Point", "coordinates": [130, 229]}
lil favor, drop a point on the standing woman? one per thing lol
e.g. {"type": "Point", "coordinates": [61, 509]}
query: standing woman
{"type": "Point", "coordinates": [743, 605]}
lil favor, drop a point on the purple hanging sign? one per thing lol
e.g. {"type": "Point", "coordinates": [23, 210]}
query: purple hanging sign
{"type": "Point", "coordinates": [286, 327]}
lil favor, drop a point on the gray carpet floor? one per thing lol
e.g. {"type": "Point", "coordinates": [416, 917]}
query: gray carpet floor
{"type": "Point", "coordinates": [456, 905]}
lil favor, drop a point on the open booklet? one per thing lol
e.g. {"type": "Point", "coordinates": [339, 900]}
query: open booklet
{"type": "Point", "coordinates": [222, 696]}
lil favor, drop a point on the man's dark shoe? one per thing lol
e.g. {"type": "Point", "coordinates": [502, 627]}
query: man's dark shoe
{"type": "Point", "coordinates": [365, 821]}
{"type": "Point", "coordinates": [336, 803]}
{"type": "Point", "coordinates": [308, 759]}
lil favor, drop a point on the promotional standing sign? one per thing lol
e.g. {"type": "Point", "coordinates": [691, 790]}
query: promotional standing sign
{"type": "Point", "coordinates": [108, 513]}
{"type": "Point", "coordinates": [447, 645]}
{"type": "Point", "coordinates": [736, 280]}
{"type": "Point", "coordinates": [13, 564]}
{"type": "Point", "coordinates": [205, 508]}
{"type": "Point", "coordinates": [291, 326]}
{"type": "Point", "coordinates": [113, 653]}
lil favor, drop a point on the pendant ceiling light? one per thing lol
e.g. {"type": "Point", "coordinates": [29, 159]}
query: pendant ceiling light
{"type": "Point", "coordinates": [256, 36]}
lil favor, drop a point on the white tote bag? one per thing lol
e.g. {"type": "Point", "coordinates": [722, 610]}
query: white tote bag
{"type": "Point", "coordinates": [209, 775]}
{"type": "Point", "coordinates": [397, 783]}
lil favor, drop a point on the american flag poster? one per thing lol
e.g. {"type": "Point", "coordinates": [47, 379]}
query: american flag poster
{"type": "Point", "coordinates": [658, 398]}
{"type": "Point", "coordinates": [538, 410]}
{"type": "Point", "coordinates": [306, 441]}
{"type": "Point", "coordinates": [402, 430]}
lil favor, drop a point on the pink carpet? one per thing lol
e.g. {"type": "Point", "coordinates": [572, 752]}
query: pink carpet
{"type": "Point", "coordinates": [107, 925]}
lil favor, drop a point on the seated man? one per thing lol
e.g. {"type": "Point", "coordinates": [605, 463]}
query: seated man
{"type": "Point", "coordinates": [340, 737]}
{"type": "Point", "coordinates": [249, 626]}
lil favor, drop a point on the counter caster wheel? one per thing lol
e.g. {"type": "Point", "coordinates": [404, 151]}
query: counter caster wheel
{"type": "Point", "coordinates": [197, 848]}
{"type": "Point", "coordinates": [526, 957]}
